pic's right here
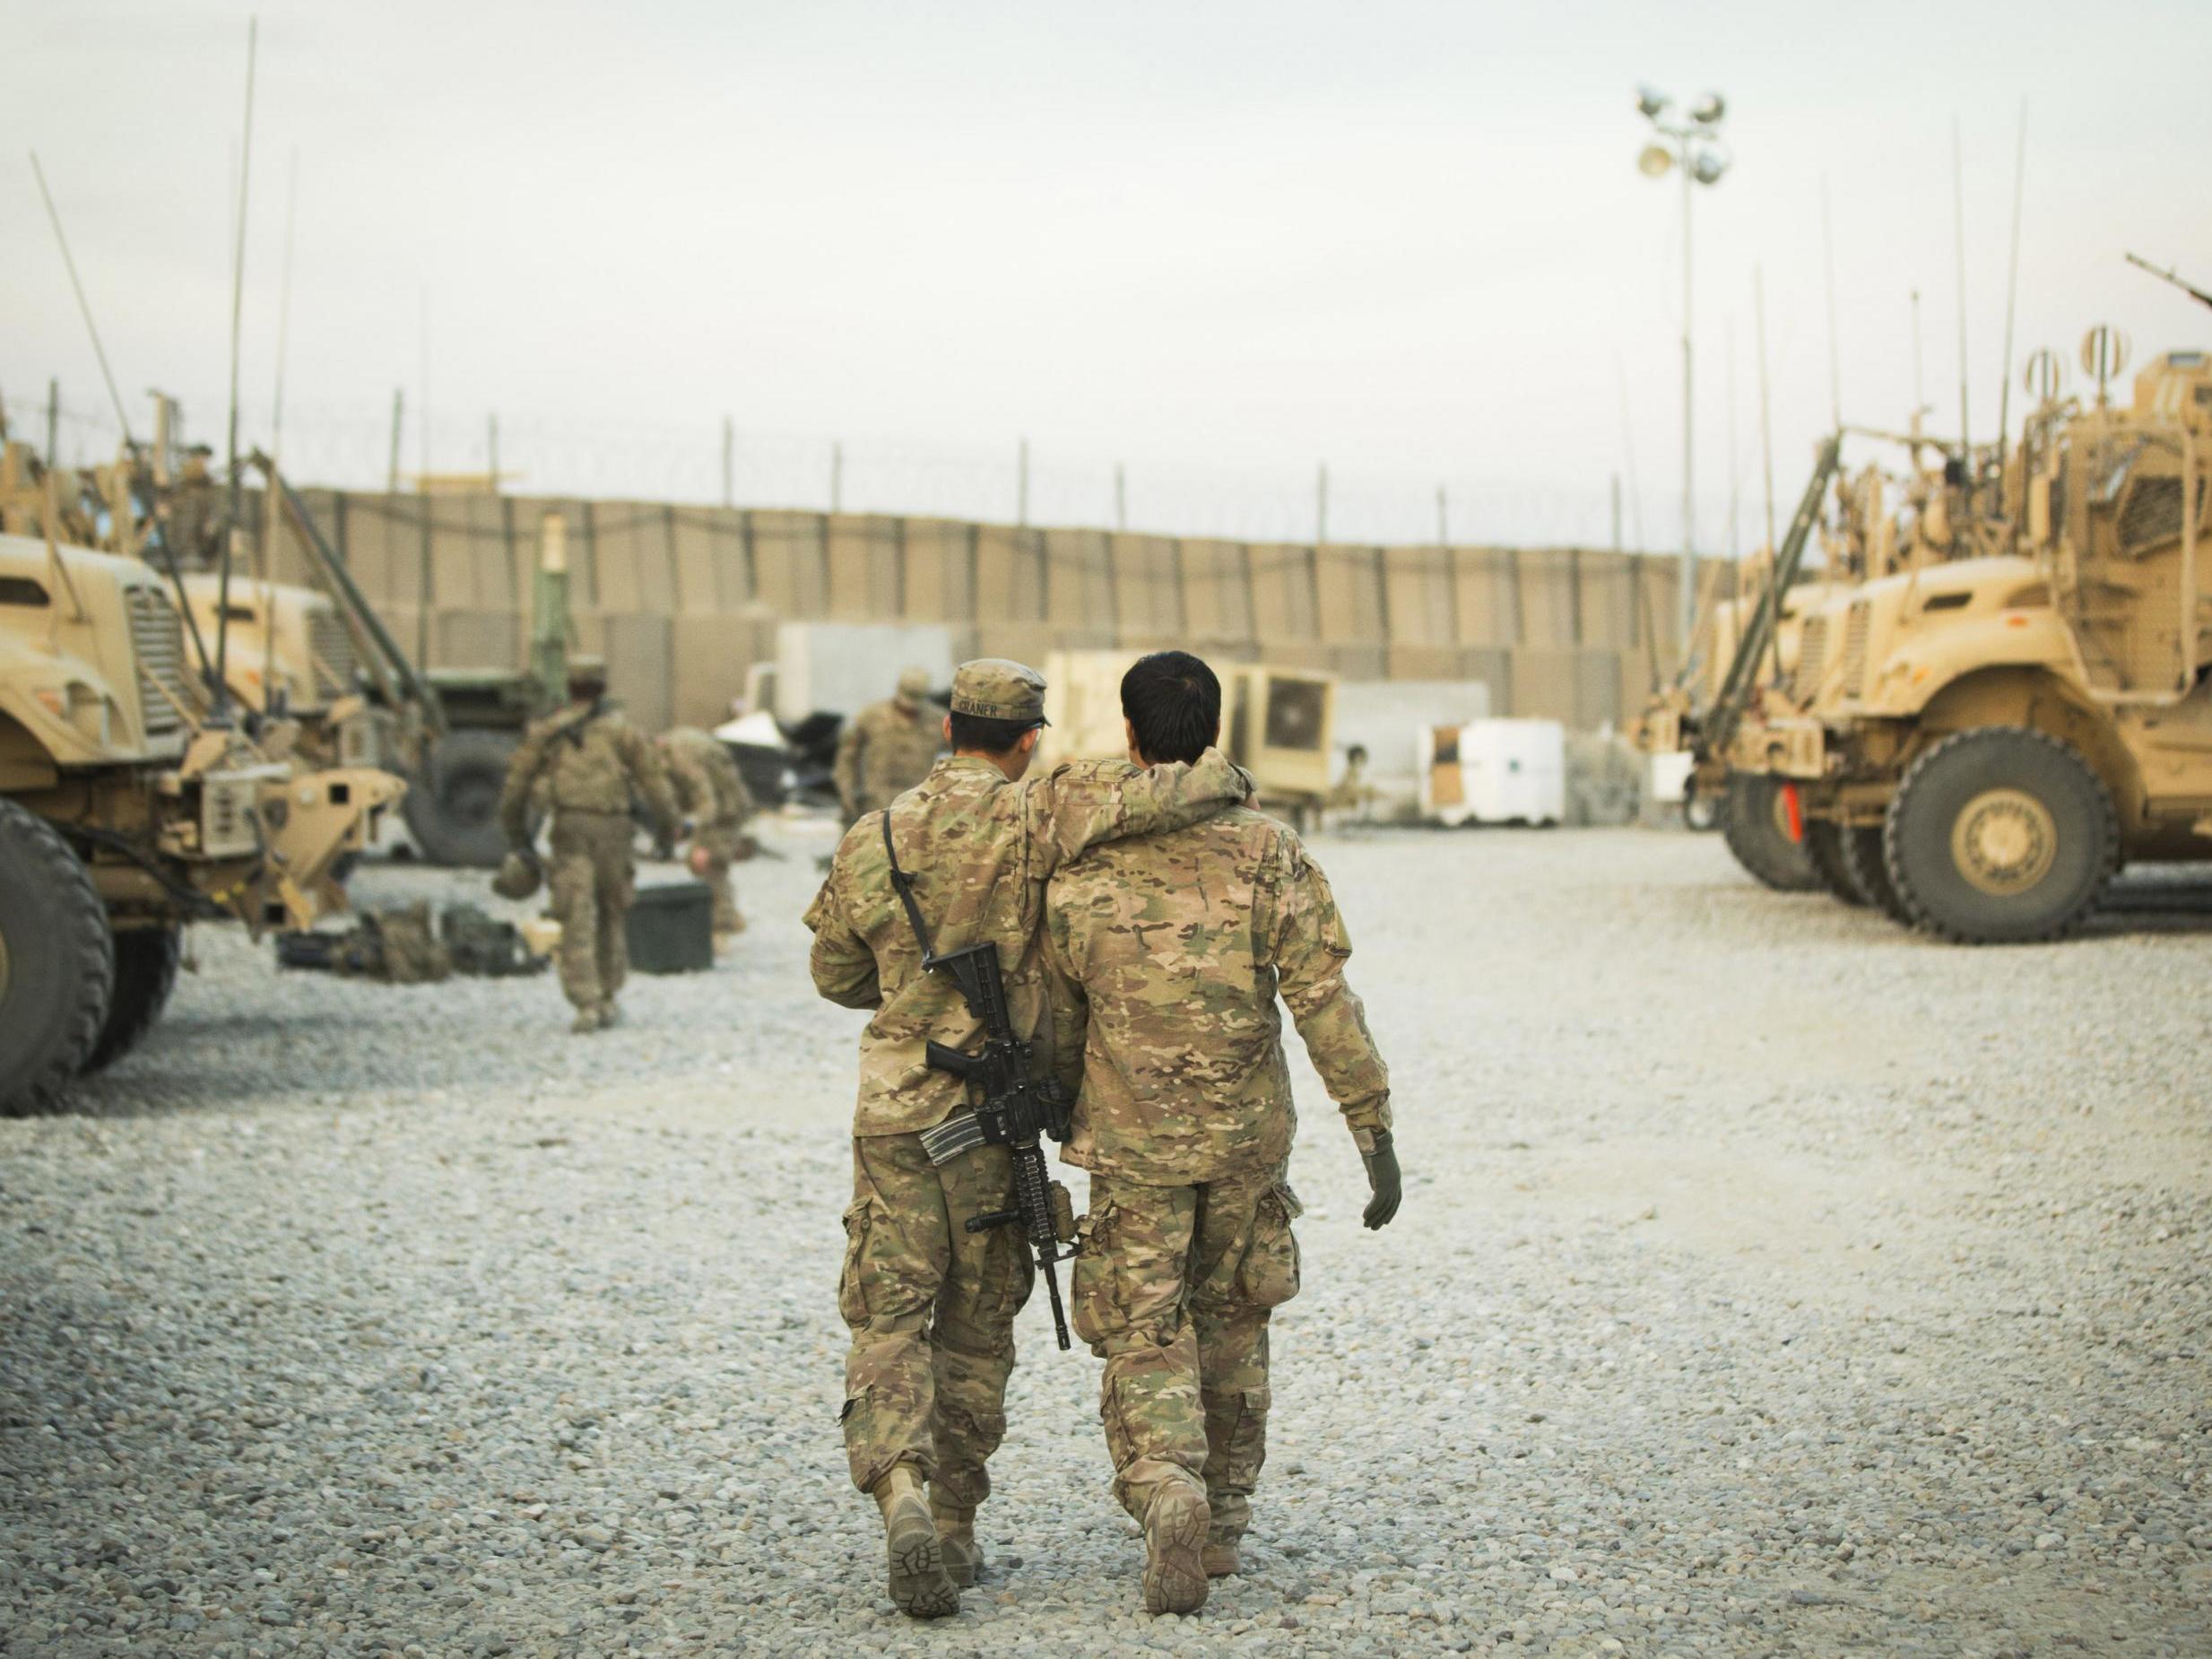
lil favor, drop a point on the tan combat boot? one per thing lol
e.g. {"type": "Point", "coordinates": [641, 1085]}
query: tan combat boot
{"type": "Point", "coordinates": [956, 1531]}
{"type": "Point", "coordinates": [586, 1020]}
{"type": "Point", "coordinates": [1222, 1557]}
{"type": "Point", "coordinates": [610, 1016]}
{"type": "Point", "coordinates": [919, 1585]}
{"type": "Point", "coordinates": [1174, 1535]}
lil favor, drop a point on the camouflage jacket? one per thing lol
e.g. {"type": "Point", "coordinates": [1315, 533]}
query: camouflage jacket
{"type": "Point", "coordinates": [884, 752]}
{"type": "Point", "coordinates": [980, 850]}
{"type": "Point", "coordinates": [590, 759]}
{"type": "Point", "coordinates": [709, 790]}
{"type": "Point", "coordinates": [1164, 956]}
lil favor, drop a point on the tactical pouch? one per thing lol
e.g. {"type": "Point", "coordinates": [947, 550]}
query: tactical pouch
{"type": "Point", "coordinates": [1268, 1276]}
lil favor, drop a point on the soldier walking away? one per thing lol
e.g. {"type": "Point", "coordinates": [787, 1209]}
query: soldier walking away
{"type": "Point", "coordinates": [592, 762]}
{"type": "Point", "coordinates": [887, 748]}
{"type": "Point", "coordinates": [931, 1305]}
{"type": "Point", "coordinates": [1165, 954]}
{"type": "Point", "coordinates": [710, 793]}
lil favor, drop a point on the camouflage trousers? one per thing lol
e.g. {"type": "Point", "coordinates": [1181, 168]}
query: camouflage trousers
{"type": "Point", "coordinates": [1173, 1286]}
{"type": "Point", "coordinates": [931, 1309]}
{"type": "Point", "coordinates": [720, 847]}
{"type": "Point", "coordinates": [589, 881]}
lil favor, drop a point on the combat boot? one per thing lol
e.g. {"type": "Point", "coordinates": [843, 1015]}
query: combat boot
{"type": "Point", "coordinates": [1174, 1535]}
{"type": "Point", "coordinates": [586, 1020]}
{"type": "Point", "coordinates": [919, 1585]}
{"type": "Point", "coordinates": [956, 1533]}
{"type": "Point", "coordinates": [1222, 1557]}
{"type": "Point", "coordinates": [610, 1016]}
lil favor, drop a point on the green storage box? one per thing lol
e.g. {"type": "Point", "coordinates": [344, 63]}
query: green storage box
{"type": "Point", "coordinates": [671, 928]}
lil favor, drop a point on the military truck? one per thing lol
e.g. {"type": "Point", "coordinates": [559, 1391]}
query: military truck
{"type": "Point", "coordinates": [457, 729]}
{"type": "Point", "coordinates": [127, 809]}
{"type": "Point", "coordinates": [1993, 737]}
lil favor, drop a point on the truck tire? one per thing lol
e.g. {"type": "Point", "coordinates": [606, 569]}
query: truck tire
{"type": "Point", "coordinates": [1753, 824]}
{"type": "Point", "coordinates": [452, 807]}
{"type": "Point", "coordinates": [145, 973]}
{"type": "Point", "coordinates": [56, 963]}
{"type": "Point", "coordinates": [2001, 835]}
{"type": "Point", "coordinates": [1824, 846]}
{"type": "Point", "coordinates": [1864, 859]}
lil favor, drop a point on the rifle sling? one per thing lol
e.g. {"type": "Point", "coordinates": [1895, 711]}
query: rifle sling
{"type": "Point", "coordinates": [903, 884]}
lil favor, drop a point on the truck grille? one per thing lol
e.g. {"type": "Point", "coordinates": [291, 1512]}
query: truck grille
{"type": "Point", "coordinates": [157, 640]}
{"type": "Point", "coordinates": [1855, 650]}
{"type": "Point", "coordinates": [334, 666]}
{"type": "Point", "coordinates": [1811, 657]}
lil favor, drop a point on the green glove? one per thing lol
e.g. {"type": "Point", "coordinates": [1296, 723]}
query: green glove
{"type": "Point", "coordinates": [1384, 1181]}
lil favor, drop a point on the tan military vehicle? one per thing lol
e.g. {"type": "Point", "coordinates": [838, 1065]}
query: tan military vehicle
{"type": "Point", "coordinates": [1993, 737]}
{"type": "Point", "coordinates": [287, 655]}
{"type": "Point", "coordinates": [126, 811]}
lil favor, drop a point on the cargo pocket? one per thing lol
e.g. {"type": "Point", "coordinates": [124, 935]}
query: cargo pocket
{"type": "Point", "coordinates": [1098, 1311]}
{"type": "Point", "coordinates": [1269, 1275]}
{"type": "Point", "coordinates": [852, 1297]}
{"type": "Point", "coordinates": [1008, 1272]}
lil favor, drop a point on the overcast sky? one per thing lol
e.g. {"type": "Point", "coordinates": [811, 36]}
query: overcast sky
{"type": "Point", "coordinates": [1222, 243]}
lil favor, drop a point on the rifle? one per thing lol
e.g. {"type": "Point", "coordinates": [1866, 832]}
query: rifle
{"type": "Point", "coordinates": [1014, 1105]}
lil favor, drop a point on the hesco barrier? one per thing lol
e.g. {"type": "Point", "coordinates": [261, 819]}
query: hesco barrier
{"type": "Point", "coordinates": [681, 600]}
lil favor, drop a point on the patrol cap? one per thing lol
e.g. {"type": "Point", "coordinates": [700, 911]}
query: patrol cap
{"type": "Point", "coordinates": [587, 671]}
{"type": "Point", "coordinates": [993, 688]}
{"type": "Point", "coordinates": [914, 683]}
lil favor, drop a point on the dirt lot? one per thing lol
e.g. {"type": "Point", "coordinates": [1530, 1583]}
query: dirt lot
{"type": "Point", "coordinates": [1769, 1281]}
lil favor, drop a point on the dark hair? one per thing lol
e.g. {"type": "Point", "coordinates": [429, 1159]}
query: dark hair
{"type": "Point", "coordinates": [1173, 705]}
{"type": "Point", "coordinates": [980, 734]}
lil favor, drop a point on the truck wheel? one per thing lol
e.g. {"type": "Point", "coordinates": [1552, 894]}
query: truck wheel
{"type": "Point", "coordinates": [2001, 835]}
{"type": "Point", "coordinates": [1824, 847]}
{"type": "Point", "coordinates": [452, 807]}
{"type": "Point", "coordinates": [145, 973]}
{"type": "Point", "coordinates": [56, 963]}
{"type": "Point", "coordinates": [1754, 822]}
{"type": "Point", "coordinates": [1861, 846]}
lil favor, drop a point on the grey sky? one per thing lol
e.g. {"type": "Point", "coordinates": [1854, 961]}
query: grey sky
{"type": "Point", "coordinates": [1221, 242]}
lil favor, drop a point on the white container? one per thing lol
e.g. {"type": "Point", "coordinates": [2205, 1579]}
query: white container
{"type": "Point", "coordinates": [843, 666]}
{"type": "Point", "coordinates": [1495, 772]}
{"type": "Point", "coordinates": [1668, 783]}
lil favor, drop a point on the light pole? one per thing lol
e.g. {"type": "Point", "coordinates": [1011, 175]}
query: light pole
{"type": "Point", "coordinates": [1689, 142]}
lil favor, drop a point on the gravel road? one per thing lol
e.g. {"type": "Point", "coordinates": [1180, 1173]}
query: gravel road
{"type": "Point", "coordinates": [1769, 1281]}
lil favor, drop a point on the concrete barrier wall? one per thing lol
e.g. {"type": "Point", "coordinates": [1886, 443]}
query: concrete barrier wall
{"type": "Point", "coordinates": [684, 599]}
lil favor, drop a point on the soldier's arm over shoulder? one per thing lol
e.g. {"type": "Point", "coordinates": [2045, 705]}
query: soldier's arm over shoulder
{"type": "Point", "coordinates": [1083, 803]}
{"type": "Point", "coordinates": [1310, 947]}
{"type": "Point", "coordinates": [522, 772]}
{"type": "Point", "coordinates": [843, 966]}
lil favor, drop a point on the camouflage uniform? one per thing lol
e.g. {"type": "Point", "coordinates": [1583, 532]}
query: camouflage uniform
{"type": "Point", "coordinates": [711, 792]}
{"type": "Point", "coordinates": [195, 514]}
{"type": "Point", "coordinates": [932, 1306]}
{"type": "Point", "coordinates": [887, 748]}
{"type": "Point", "coordinates": [590, 759]}
{"type": "Point", "coordinates": [1165, 956]}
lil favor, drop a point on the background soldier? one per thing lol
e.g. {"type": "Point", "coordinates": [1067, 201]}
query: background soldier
{"type": "Point", "coordinates": [1165, 955]}
{"type": "Point", "coordinates": [931, 1305]}
{"type": "Point", "coordinates": [887, 748]}
{"type": "Point", "coordinates": [194, 514]}
{"type": "Point", "coordinates": [592, 760]}
{"type": "Point", "coordinates": [711, 792]}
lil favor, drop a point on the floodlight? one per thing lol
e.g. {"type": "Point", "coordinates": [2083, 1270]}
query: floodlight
{"type": "Point", "coordinates": [1652, 102]}
{"type": "Point", "coordinates": [1709, 110]}
{"type": "Point", "coordinates": [1707, 166]}
{"type": "Point", "coordinates": [1655, 160]}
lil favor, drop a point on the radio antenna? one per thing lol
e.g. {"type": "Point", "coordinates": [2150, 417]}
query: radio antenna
{"type": "Point", "coordinates": [83, 305]}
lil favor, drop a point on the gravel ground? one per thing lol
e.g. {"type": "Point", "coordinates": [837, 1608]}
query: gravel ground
{"type": "Point", "coordinates": [1769, 1281]}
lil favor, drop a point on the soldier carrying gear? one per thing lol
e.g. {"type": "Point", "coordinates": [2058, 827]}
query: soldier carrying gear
{"type": "Point", "coordinates": [1165, 954]}
{"type": "Point", "coordinates": [887, 748]}
{"type": "Point", "coordinates": [710, 793]}
{"type": "Point", "coordinates": [931, 1304]}
{"type": "Point", "coordinates": [592, 763]}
